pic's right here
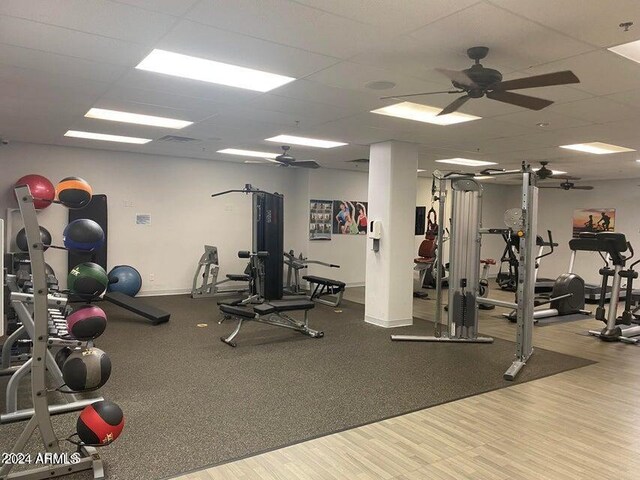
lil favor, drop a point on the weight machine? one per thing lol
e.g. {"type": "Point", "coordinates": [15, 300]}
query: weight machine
{"type": "Point", "coordinates": [205, 280]}
{"type": "Point", "coordinates": [464, 278]}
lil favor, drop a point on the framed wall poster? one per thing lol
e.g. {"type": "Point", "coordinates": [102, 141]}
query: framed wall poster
{"type": "Point", "coordinates": [349, 217]}
{"type": "Point", "coordinates": [593, 220]}
{"type": "Point", "coordinates": [320, 219]}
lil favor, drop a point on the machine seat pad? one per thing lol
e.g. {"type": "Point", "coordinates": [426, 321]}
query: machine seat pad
{"type": "Point", "coordinates": [239, 277]}
{"type": "Point", "coordinates": [324, 281]}
{"type": "Point", "coordinates": [423, 260]}
{"type": "Point", "coordinates": [237, 311]}
{"type": "Point", "coordinates": [275, 306]}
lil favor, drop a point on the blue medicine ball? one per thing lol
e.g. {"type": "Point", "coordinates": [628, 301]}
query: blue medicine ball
{"type": "Point", "coordinates": [83, 234]}
{"type": "Point", "coordinates": [125, 279]}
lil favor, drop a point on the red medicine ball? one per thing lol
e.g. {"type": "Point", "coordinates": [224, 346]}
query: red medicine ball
{"type": "Point", "coordinates": [87, 323]}
{"type": "Point", "coordinates": [41, 189]}
{"type": "Point", "coordinates": [100, 423]}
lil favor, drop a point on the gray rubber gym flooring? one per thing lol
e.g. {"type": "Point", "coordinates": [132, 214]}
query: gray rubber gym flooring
{"type": "Point", "coordinates": [191, 401]}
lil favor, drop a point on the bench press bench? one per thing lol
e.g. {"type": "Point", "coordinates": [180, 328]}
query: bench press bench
{"type": "Point", "coordinates": [271, 313]}
{"type": "Point", "coordinates": [325, 287]}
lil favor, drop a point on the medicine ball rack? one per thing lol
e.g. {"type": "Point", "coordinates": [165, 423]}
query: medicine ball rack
{"type": "Point", "coordinates": [41, 359]}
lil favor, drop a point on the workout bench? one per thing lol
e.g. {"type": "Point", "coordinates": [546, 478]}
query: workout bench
{"type": "Point", "coordinates": [325, 287]}
{"type": "Point", "coordinates": [272, 313]}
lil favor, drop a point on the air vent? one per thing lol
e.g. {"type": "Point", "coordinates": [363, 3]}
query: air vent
{"type": "Point", "coordinates": [359, 160]}
{"type": "Point", "coordinates": [176, 138]}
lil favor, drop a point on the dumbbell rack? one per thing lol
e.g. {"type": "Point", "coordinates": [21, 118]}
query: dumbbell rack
{"type": "Point", "coordinates": [40, 415]}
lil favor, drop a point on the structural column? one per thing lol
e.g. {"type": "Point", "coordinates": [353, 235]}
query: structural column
{"type": "Point", "coordinates": [392, 200]}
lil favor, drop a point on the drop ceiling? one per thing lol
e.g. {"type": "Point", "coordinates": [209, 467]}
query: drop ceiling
{"type": "Point", "coordinates": [59, 58]}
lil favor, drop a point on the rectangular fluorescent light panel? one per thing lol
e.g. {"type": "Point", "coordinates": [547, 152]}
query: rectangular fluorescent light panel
{"type": "Point", "coordinates": [598, 148]}
{"type": "Point", "coordinates": [424, 113]}
{"type": "Point", "coordinates": [248, 153]}
{"type": "Point", "coordinates": [420, 170]}
{"type": "Point", "coordinates": [467, 162]}
{"type": "Point", "coordinates": [629, 50]}
{"type": "Point", "coordinates": [106, 138]}
{"type": "Point", "coordinates": [126, 117]}
{"type": "Point", "coordinates": [185, 66]}
{"type": "Point", "coordinates": [307, 142]}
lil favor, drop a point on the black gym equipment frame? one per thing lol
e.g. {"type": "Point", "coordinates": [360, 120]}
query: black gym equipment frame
{"type": "Point", "coordinates": [267, 236]}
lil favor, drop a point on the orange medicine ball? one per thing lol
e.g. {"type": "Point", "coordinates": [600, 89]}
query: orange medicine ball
{"type": "Point", "coordinates": [74, 192]}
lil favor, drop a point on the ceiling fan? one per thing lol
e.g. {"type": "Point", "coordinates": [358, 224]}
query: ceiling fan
{"type": "Point", "coordinates": [543, 173]}
{"type": "Point", "coordinates": [567, 185]}
{"type": "Point", "coordinates": [479, 81]}
{"type": "Point", "coordinates": [285, 159]}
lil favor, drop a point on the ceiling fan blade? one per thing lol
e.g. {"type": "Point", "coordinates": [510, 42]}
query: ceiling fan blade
{"type": "Point", "coordinates": [546, 80]}
{"type": "Point", "coordinates": [457, 76]}
{"type": "Point", "coordinates": [455, 105]}
{"type": "Point", "coordinates": [565, 177]}
{"type": "Point", "coordinates": [532, 103]}
{"type": "Point", "coordinates": [582, 187]}
{"type": "Point", "coordinates": [305, 164]}
{"type": "Point", "coordinates": [550, 186]}
{"type": "Point", "coordinates": [423, 93]}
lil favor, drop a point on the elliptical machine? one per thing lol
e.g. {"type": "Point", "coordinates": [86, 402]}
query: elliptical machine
{"type": "Point", "coordinates": [567, 294]}
{"type": "Point", "coordinates": [615, 244]}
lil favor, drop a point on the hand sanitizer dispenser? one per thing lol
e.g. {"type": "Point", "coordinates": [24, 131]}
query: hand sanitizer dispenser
{"type": "Point", "coordinates": [375, 232]}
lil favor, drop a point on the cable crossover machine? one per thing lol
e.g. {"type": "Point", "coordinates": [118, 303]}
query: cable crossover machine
{"type": "Point", "coordinates": [464, 295]}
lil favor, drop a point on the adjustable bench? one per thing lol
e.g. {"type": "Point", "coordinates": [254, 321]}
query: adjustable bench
{"type": "Point", "coordinates": [271, 313]}
{"type": "Point", "coordinates": [325, 287]}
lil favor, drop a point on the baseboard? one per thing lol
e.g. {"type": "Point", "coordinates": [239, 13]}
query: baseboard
{"type": "Point", "coordinates": [400, 322]}
{"type": "Point", "coordinates": [158, 293]}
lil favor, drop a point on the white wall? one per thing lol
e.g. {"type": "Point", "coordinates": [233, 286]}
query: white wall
{"type": "Point", "coordinates": [175, 191]}
{"type": "Point", "coordinates": [555, 212]}
{"type": "Point", "coordinates": [348, 251]}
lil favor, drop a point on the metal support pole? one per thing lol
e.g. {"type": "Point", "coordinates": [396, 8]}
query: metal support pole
{"type": "Point", "coordinates": [526, 276]}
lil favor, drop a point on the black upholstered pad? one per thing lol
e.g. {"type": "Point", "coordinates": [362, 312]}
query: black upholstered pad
{"type": "Point", "coordinates": [238, 277]}
{"type": "Point", "coordinates": [283, 306]}
{"type": "Point", "coordinates": [238, 311]}
{"type": "Point", "coordinates": [324, 281]}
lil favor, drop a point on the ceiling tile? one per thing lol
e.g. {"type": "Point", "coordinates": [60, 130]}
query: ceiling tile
{"type": "Point", "coordinates": [514, 42]}
{"type": "Point", "coordinates": [391, 15]}
{"type": "Point", "coordinates": [58, 65]}
{"type": "Point", "coordinates": [596, 110]}
{"type": "Point", "coordinates": [530, 118]}
{"type": "Point", "coordinates": [192, 38]}
{"type": "Point", "coordinates": [289, 23]}
{"type": "Point", "coordinates": [621, 74]}
{"type": "Point", "coordinates": [100, 17]}
{"type": "Point", "coordinates": [593, 21]}
{"type": "Point", "coordinates": [72, 43]}
{"type": "Point", "coordinates": [354, 76]}
{"type": "Point", "coordinates": [193, 108]}
{"type": "Point", "coordinates": [309, 113]}
{"type": "Point", "coordinates": [170, 7]}
{"type": "Point", "coordinates": [307, 90]}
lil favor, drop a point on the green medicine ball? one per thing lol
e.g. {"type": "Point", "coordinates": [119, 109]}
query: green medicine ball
{"type": "Point", "coordinates": [88, 280]}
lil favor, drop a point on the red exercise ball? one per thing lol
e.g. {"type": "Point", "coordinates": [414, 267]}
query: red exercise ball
{"type": "Point", "coordinates": [100, 423]}
{"type": "Point", "coordinates": [41, 188]}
